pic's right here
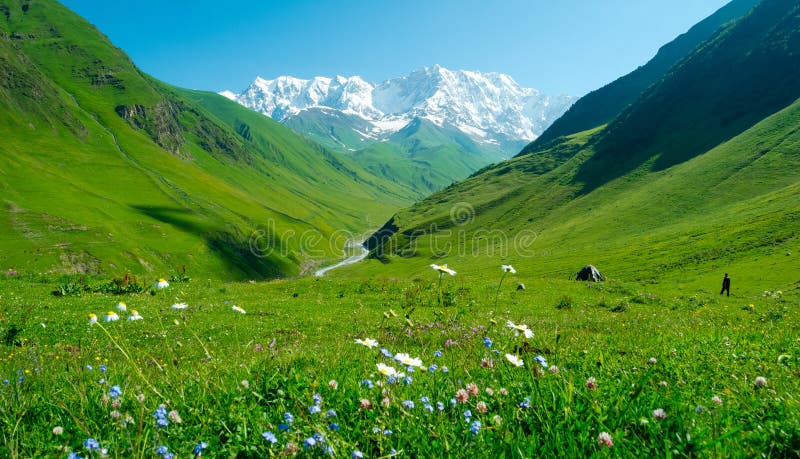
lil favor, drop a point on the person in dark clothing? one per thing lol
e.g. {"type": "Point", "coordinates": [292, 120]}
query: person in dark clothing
{"type": "Point", "coordinates": [726, 285]}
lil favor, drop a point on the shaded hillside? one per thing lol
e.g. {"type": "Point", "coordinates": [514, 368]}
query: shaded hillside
{"type": "Point", "coordinates": [602, 105]}
{"type": "Point", "coordinates": [105, 170]}
{"type": "Point", "coordinates": [746, 72]}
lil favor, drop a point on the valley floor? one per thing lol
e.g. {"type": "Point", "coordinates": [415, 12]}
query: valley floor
{"type": "Point", "coordinates": [561, 368]}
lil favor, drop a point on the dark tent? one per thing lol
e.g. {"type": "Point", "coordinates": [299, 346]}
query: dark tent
{"type": "Point", "coordinates": [589, 273]}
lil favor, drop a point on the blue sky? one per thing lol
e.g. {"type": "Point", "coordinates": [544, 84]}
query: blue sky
{"type": "Point", "coordinates": [557, 46]}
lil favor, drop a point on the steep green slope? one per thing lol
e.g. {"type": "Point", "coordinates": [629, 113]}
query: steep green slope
{"type": "Point", "coordinates": [602, 105]}
{"type": "Point", "coordinates": [748, 71]}
{"type": "Point", "coordinates": [732, 207]}
{"type": "Point", "coordinates": [427, 157]}
{"type": "Point", "coordinates": [103, 169]}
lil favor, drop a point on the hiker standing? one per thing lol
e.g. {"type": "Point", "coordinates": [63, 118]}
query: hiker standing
{"type": "Point", "coordinates": [726, 285]}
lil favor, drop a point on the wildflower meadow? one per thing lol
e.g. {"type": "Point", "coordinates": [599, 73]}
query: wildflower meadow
{"type": "Point", "coordinates": [420, 367]}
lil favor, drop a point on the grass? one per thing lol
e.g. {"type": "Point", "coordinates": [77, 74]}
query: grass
{"type": "Point", "coordinates": [231, 377]}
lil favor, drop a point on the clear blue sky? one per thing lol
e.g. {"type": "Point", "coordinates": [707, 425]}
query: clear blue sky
{"type": "Point", "coordinates": [557, 46]}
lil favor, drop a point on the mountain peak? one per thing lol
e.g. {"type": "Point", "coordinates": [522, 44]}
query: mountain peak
{"type": "Point", "coordinates": [486, 106]}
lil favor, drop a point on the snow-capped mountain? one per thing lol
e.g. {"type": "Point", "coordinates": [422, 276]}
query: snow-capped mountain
{"type": "Point", "coordinates": [491, 108]}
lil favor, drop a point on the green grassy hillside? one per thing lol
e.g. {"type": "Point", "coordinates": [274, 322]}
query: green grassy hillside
{"type": "Point", "coordinates": [602, 105]}
{"type": "Point", "coordinates": [733, 207]}
{"type": "Point", "coordinates": [427, 157]}
{"type": "Point", "coordinates": [332, 128]}
{"type": "Point", "coordinates": [421, 156]}
{"type": "Point", "coordinates": [106, 170]}
{"type": "Point", "coordinates": [748, 71]}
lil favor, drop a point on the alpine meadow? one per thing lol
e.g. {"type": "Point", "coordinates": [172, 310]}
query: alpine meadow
{"type": "Point", "coordinates": [443, 264]}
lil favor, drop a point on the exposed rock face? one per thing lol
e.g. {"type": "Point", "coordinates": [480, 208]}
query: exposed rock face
{"type": "Point", "coordinates": [163, 124]}
{"type": "Point", "coordinates": [160, 122]}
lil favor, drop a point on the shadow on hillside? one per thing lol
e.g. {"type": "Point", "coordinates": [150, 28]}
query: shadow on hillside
{"type": "Point", "coordinates": [231, 246]}
{"type": "Point", "coordinates": [748, 72]}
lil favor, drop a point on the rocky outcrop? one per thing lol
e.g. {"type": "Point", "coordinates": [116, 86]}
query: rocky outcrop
{"type": "Point", "coordinates": [160, 122]}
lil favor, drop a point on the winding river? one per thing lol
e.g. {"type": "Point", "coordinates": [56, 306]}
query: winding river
{"type": "Point", "coordinates": [353, 259]}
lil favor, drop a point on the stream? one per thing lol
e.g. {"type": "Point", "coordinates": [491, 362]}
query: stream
{"type": "Point", "coordinates": [353, 259]}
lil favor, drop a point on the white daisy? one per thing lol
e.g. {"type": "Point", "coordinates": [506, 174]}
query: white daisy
{"type": "Point", "coordinates": [180, 306]}
{"type": "Point", "coordinates": [515, 360]}
{"type": "Point", "coordinates": [369, 342]}
{"type": "Point", "coordinates": [135, 315]}
{"type": "Point", "coordinates": [407, 360]}
{"type": "Point", "coordinates": [443, 269]}
{"type": "Point", "coordinates": [520, 328]}
{"type": "Point", "coordinates": [162, 283]}
{"type": "Point", "coordinates": [110, 316]}
{"type": "Point", "coordinates": [386, 370]}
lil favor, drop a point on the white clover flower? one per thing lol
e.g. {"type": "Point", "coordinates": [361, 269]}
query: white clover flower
{"type": "Point", "coordinates": [515, 360]}
{"type": "Point", "coordinates": [162, 283]}
{"type": "Point", "coordinates": [443, 269]}
{"type": "Point", "coordinates": [604, 439]}
{"type": "Point", "coordinates": [760, 381]}
{"type": "Point", "coordinates": [368, 342]}
{"type": "Point", "coordinates": [238, 309]}
{"type": "Point", "coordinates": [180, 306]}
{"type": "Point", "coordinates": [174, 417]}
{"type": "Point", "coordinates": [508, 269]}
{"type": "Point", "coordinates": [110, 316]}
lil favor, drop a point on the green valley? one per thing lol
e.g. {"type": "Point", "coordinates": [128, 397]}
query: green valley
{"type": "Point", "coordinates": [464, 333]}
